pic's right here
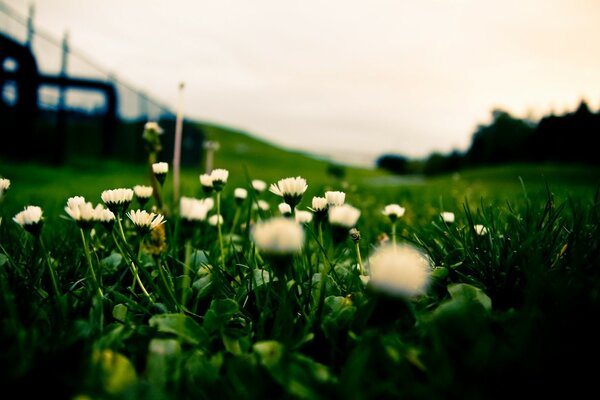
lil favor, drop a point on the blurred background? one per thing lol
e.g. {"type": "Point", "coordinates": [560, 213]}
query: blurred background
{"type": "Point", "coordinates": [411, 89]}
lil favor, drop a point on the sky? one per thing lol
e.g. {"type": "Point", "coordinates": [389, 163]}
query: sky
{"type": "Point", "coordinates": [354, 79]}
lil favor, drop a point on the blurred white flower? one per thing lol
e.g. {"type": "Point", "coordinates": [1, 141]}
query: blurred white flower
{"type": "Point", "coordinates": [319, 204]}
{"type": "Point", "coordinates": [4, 185]}
{"type": "Point", "coordinates": [285, 209]}
{"type": "Point", "coordinates": [345, 216]}
{"type": "Point", "coordinates": [206, 180]}
{"type": "Point", "coordinates": [303, 217]}
{"type": "Point", "coordinates": [448, 217]}
{"type": "Point", "coordinates": [105, 217]}
{"type": "Point", "coordinates": [400, 270]}
{"type": "Point", "coordinates": [145, 221]}
{"type": "Point", "coordinates": [153, 126]}
{"type": "Point", "coordinates": [160, 168]}
{"type": "Point", "coordinates": [393, 211]}
{"type": "Point", "coordinates": [278, 235]}
{"type": "Point", "coordinates": [219, 178]}
{"type": "Point", "coordinates": [142, 192]}
{"type": "Point", "coordinates": [240, 193]}
{"type": "Point", "coordinates": [262, 205]}
{"type": "Point", "coordinates": [216, 219]}
{"type": "Point", "coordinates": [30, 219]}
{"type": "Point", "coordinates": [480, 230]}
{"type": "Point", "coordinates": [335, 198]}
{"type": "Point", "coordinates": [193, 209]}
{"type": "Point", "coordinates": [259, 185]}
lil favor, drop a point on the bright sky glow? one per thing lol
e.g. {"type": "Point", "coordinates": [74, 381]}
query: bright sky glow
{"type": "Point", "coordinates": [343, 76]}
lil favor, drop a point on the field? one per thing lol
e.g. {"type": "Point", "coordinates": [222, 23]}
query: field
{"type": "Point", "coordinates": [192, 310]}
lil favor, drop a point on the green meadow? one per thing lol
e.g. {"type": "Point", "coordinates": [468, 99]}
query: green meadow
{"type": "Point", "coordinates": [191, 310]}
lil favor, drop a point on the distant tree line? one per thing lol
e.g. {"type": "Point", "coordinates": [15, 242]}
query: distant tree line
{"type": "Point", "coordinates": [567, 138]}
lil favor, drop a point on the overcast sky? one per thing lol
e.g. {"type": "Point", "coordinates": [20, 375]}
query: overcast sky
{"type": "Point", "coordinates": [354, 77]}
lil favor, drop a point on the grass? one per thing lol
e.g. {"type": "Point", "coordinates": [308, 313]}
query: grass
{"type": "Point", "coordinates": [507, 312]}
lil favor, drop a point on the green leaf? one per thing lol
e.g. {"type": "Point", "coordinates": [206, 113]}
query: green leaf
{"type": "Point", "coordinates": [119, 312]}
{"type": "Point", "coordinates": [440, 272]}
{"type": "Point", "coordinates": [111, 264]}
{"type": "Point", "coordinates": [464, 291]}
{"type": "Point", "coordinates": [261, 277]}
{"type": "Point", "coordinates": [181, 325]}
{"type": "Point", "coordinates": [3, 259]}
{"type": "Point", "coordinates": [198, 259]}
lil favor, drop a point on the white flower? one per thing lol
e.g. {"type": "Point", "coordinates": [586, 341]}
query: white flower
{"type": "Point", "coordinates": [4, 185]}
{"type": "Point", "coordinates": [344, 215]}
{"type": "Point", "coordinates": [259, 185]}
{"type": "Point", "coordinates": [319, 204]}
{"type": "Point", "coordinates": [104, 215]}
{"type": "Point", "coordinates": [193, 209]}
{"type": "Point", "coordinates": [289, 187]}
{"type": "Point", "coordinates": [31, 215]}
{"type": "Point", "coordinates": [160, 168]}
{"type": "Point", "coordinates": [480, 230]}
{"type": "Point", "coordinates": [335, 198]}
{"type": "Point", "coordinates": [216, 219]}
{"type": "Point", "coordinates": [240, 193]}
{"type": "Point", "coordinates": [448, 217]}
{"type": "Point", "coordinates": [145, 221]}
{"type": "Point", "coordinates": [81, 211]}
{"type": "Point", "coordinates": [117, 200]}
{"type": "Point", "coordinates": [401, 270]}
{"type": "Point", "coordinates": [303, 217]}
{"type": "Point", "coordinates": [153, 127]}
{"type": "Point", "coordinates": [262, 205]}
{"type": "Point", "coordinates": [142, 192]}
{"type": "Point", "coordinates": [30, 219]}
{"type": "Point", "coordinates": [284, 208]}
{"type": "Point", "coordinates": [393, 211]}
{"type": "Point", "coordinates": [278, 235]}
{"type": "Point", "coordinates": [219, 175]}
{"type": "Point", "coordinates": [206, 181]}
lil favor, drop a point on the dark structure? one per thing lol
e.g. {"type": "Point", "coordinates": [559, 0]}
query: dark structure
{"type": "Point", "coordinates": [19, 106]}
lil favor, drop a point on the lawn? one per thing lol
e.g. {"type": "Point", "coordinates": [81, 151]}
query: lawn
{"type": "Point", "coordinates": [418, 308]}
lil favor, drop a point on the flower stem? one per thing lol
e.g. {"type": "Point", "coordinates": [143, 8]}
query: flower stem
{"type": "Point", "coordinates": [394, 233]}
{"type": "Point", "coordinates": [57, 293]}
{"type": "Point", "coordinates": [88, 258]}
{"type": "Point", "coordinates": [219, 231]}
{"type": "Point", "coordinates": [361, 268]}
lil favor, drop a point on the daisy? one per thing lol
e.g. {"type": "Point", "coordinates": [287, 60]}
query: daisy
{"type": "Point", "coordinates": [259, 185]}
{"type": "Point", "coordinates": [160, 170]}
{"type": "Point", "coordinates": [278, 236]}
{"type": "Point", "coordinates": [345, 216]}
{"type": "Point", "coordinates": [240, 194]}
{"type": "Point", "coordinates": [30, 219]}
{"type": "Point", "coordinates": [335, 198]}
{"type": "Point", "coordinates": [192, 209]}
{"type": "Point", "coordinates": [399, 270]}
{"type": "Point", "coordinates": [393, 212]}
{"type": "Point", "coordinates": [219, 178]}
{"type": "Point", "coordinates": [303, 217]}
{"type": "Point", "coordinates": [142, 194]}
{"type": "Point", "coordinates": [480, 230]}
{"type": "Point", "coordinates": [447, 217]}
{"type": "Point", "coordinates": [145, 221]}
{"type": "Point", "coordinates": [285, 209]}
{"type": "Point", "coordinates": [206, 181]}
{"type": "Point", "coordinates": [117, 200]}
{"type": "Point", "coordinates": [81, 211]}
{"type": "Point", "coordinates": [216, 219]}
{"type": "Point", "coordinates": [291, 189]}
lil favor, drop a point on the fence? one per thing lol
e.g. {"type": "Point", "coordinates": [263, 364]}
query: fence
{"type": "Point", "coordinates": [55, 57]}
